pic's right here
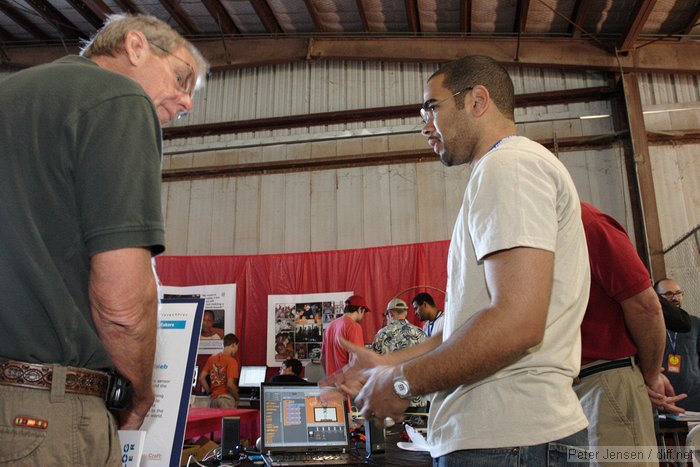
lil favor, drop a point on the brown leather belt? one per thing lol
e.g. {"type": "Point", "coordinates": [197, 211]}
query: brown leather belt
{"type": "Point", "coordinates": [40, 376]}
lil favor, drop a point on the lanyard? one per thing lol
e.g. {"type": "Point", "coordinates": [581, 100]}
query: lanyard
{"type": "Point", "coordinates": [672, 340]}
{"type": "Point", "coordinates": [432, 323]}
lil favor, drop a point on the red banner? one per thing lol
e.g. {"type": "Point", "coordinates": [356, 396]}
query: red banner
{"type": "Point", "coordinates": [379, 274]}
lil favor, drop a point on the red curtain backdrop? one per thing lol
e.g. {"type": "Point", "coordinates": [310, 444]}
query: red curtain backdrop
{"type": "Point", "coordinates": [378, 274]}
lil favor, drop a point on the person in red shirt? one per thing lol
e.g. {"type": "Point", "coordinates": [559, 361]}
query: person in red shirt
{"type": "Point", "coordinates": [223, 371]}
{"type": "Point", "coordinates": [333, 355]}
{"type": "Point", "coordinates": [622, 340]}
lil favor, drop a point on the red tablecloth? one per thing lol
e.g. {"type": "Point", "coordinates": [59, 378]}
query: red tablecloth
{"type": "Point", "coordinates": [203, 421]}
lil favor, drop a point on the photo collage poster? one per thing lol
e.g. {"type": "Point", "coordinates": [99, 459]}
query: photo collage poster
{"type": "Point", "coordinates": [295, 324]}
{"type": "Point", "coordinates": [219, 312]}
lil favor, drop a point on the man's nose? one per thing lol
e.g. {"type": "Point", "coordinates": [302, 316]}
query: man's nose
{"type": "Point", "coordinates": [428, 128]}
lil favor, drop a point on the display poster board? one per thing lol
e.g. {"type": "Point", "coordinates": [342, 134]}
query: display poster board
{"type": "Point", "coordinates": [219, 312]}
{"type": "Point", "coordinates": [179, 322]}
{"type": "Point", "coordinates": [295, 324]}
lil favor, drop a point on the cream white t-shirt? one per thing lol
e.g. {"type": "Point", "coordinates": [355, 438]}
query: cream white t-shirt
{"type": "Point", "coordinates": [518, 195]}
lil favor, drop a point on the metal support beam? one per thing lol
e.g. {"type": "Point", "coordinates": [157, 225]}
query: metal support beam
{"type": "Point", "coordinates": [372, 114]}
{"type": "Point", "coordinates": [18, 17]}
{"type": "Point", "coordinates": [363, 15]}
{"type": "Point", "coordinates": [642, 173]}
{"type": "Point", "coordinates": [221, 16]}
{"type": "Point", "coordinates": [596, 142]}
{"type": "Point", "coordinates": [412, 16]}
{"type": "Point", "coordinates": [267, 17]}
{"type": "Point", "coordinates": [56, 19]}
{"type": "Point", "coordinates": [638, 17]}
{"type": "Point", "coordinates": [94, 11]}
{"type": "Point", "coordinates": [182, 18]}
{"type": "Point", "coordinates": [659, 57]}
{"type": "Point", "coordinates": [465, 16]}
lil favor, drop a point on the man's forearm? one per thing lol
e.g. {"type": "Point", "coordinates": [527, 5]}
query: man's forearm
{"type": "Point", "coordinates": [451, 365]}
{"type": "Point", "coordinates": [124, 305]}
{"type": "Point", "coordinates": [132, 348]}
{"type": "Point", "coordinates": [644, 321]}
{"type": "Point", "coordinates": [409, 353]}
{"type": "Point", "coordinates": [520, 283]}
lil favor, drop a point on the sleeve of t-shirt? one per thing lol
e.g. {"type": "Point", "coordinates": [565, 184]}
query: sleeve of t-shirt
{"type": "Point", "coordinates": [117, 175]}
{"type": "Point", "coordinates": [512, 203]}
{"type": "Point", "coordinates": [232, 371]}
{"type": "Point", "coordinates": [615, 264]}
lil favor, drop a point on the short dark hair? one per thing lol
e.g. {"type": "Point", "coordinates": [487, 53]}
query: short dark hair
{"type": "Point", "coordinates": [351, 308]}
{"type": "Point", "coordinates": [294, 364]}
{"type": "Point", "coordinates": [471, 70]}
{"type": "Point", "coordinates": [423, 297]}
{"type": "Point", "coordinates": [230, 339]}
{"type": "Point", "coordinates": [656, 284]}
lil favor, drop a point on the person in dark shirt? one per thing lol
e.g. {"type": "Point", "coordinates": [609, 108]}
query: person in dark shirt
{"type": "Point", "coordinates": [289, 372]}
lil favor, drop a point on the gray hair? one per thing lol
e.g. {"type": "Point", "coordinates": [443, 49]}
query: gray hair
{"type": "Point", "coordinates": [109, 40]}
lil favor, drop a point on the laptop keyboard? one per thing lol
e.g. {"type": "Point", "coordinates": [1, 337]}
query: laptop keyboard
{"type": "Point", "coordinates": [313, 459]}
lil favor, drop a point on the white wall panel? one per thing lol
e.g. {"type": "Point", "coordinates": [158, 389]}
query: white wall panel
{"type": "Point", "coordinates": [351, 207]}
{"type": "Point", "coordinates": [324, 213]}
{"type": "Point", "coordinates": [297, 202]}
{"type": "Point", "coordinates": [272, 213]}
{"type": "Point", "coordinates": [201, 215]}
{"type": "Point", "coordinates": [677, 178]}
{"type": "Point", "coordinates": [247, 216]}
{"type": "Point", "coordinates": [177, 218]}
{"type": "Point", "coordinates": [430, 218]}
{"type": "Point", "coordinates": [223, 207]}
{"type": "Point", "coordinates": [376, 198]}
{"type": "Point", "coordinates": [403, 204]}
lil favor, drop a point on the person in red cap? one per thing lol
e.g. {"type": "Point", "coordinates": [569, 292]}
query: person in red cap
{"type": "Point", "coordinates": [333, 355]}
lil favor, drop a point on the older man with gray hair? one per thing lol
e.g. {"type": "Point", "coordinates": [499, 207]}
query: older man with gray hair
{"type": "Point", "coordinates": [81, 220]}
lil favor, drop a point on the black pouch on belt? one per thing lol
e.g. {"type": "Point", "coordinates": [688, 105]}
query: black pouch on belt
{"type": "Point", "coordinates": [119, 391]}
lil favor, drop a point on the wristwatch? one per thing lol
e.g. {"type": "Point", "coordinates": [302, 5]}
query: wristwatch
{"type": "Point", "coordinates": [402, 388]}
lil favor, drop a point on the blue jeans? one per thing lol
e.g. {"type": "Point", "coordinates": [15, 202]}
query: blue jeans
{"type": "Point", "coordinates": [553, 454]}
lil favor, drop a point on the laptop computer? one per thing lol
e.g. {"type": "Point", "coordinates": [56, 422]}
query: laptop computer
{"type": "Point", "coordinates": [304, 425]}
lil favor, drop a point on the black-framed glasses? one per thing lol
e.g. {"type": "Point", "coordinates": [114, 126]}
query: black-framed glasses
{"type": "Point", "coordinates": [427, 111]}
{"type": "Point", "coordinates": [185, 81]}
{"type": "Point", "coordinates": [670, 294]}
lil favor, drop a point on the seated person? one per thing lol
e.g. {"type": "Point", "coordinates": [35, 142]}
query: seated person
{"type": "Point", "coordinates": [290, 372]}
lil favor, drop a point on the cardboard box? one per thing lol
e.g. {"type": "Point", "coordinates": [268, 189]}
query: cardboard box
{"type": "Point", "coordinates": [203, 447]}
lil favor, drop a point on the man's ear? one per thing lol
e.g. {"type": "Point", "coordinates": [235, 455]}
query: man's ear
{"type": "Point", "coordinates": [481, 100]}
{"type": "Point", "coordinates": [135, 46]}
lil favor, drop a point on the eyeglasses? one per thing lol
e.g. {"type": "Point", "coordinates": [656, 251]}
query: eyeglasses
{"type": "Point", "coordinates": [669, 295]}
{"type": "Point", "coordinates": [429, 108]}
{"type": "Point", "coordinates": [185, 81]}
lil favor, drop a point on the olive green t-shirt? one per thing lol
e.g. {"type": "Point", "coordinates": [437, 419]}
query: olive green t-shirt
{"type": "Point", "coordinates": [80, 155]}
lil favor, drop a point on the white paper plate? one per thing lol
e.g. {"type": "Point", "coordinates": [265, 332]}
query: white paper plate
{"type": "Point", "coordinates": [406, 446]}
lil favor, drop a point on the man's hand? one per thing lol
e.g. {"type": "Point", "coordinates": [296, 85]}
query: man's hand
{"type": "Point", "coordinates": [377, 397]}
{"type": "Point", "coordinates": [663, 396]}
{"type": "Point", "coordinates": [350, 379]}
{"type": "Point", "coordinates": [132, 417]}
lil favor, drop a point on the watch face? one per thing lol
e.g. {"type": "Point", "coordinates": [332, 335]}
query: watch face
{"type": "Point", "coordinates": [401, 388]}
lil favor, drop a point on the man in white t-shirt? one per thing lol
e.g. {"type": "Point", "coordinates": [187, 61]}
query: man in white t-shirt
{"type": "Point", "coordinates": [517, 288]}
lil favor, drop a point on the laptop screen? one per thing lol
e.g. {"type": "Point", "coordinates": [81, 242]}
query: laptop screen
{"type": "Point", "coordinates": [252, 376]}
{"type": "Point", "coordinates": [302, 418]}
